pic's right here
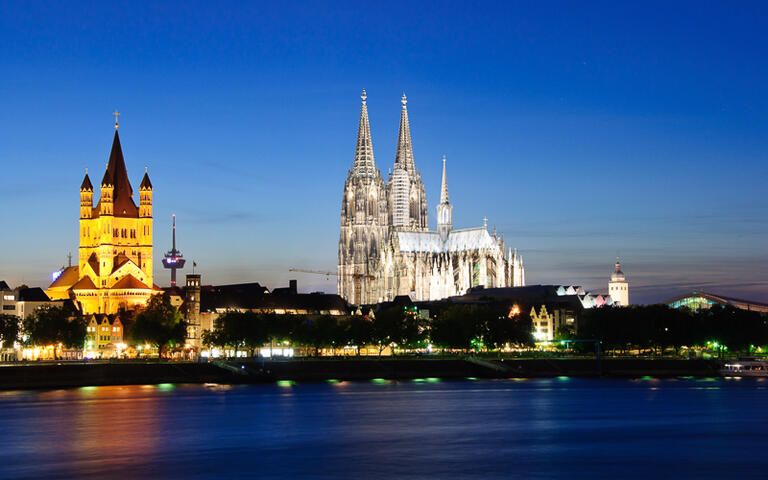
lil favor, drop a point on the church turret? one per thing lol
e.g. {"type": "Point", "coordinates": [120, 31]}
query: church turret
{"type": "Point", "coordinates": [145, 196]}
{"type": "Point", "coordinates": [444, 208]}
{"type": "Point", "coordinates": [106, 199]}
{"type": "Point", "coordinates": [86, 197]}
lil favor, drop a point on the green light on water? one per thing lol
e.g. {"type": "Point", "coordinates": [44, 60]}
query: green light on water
{"type": "Point", "coordinates": [165, 386]}
{"type": "Point", "coordinates": [563, 379]}
{"type": "Point", "coordinates": [647, 377]}
{"type": "Point", "coordinates": [333, 380]}
{"type": "Point", "coordinates": [433, 380]}
{"type": "Point", "coordinates": [284, 383]}
{"type": "Point", "coordinates": [89, 388]}
{"type": "Point", "coordinates": [379, 381]}
{"type": "Point", "coordinates": [417, 380]}
{"type": "Point", "coordinates": [471, 378]}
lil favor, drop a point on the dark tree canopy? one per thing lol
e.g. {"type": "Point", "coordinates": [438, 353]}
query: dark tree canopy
{"type": "Point", "coordinates": [9, 330]}
{"type": "Point", "coordinates": [160, 324]}
{"type": "Point", "coordinates": [50, 325]}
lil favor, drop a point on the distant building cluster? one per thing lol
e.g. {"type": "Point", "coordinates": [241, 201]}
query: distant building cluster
{"type": "Point", "coordinates": [386, 256]}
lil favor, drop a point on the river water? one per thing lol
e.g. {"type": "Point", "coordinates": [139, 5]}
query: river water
{"type": "Point", "coordinates": [537, 428]}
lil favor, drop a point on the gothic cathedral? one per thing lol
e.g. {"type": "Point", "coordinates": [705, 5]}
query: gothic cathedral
{"type": "Point", "coordinates": [114, 269]}
{"type": "Point", "coordinates": [385, 246]}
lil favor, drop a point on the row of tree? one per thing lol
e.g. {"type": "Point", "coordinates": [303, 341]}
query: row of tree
{"type": "Point", "coordinates": [461, 327]}
{"type": "Point", "coordinates": [659, 327]}
{"type": "Point", "coordinates": [160, 324]}
{"type": "Point", "coordinates": [455, 327]}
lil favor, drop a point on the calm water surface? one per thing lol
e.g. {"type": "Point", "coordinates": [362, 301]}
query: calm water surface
{"type": "Point", "coordinates": [544, 428]}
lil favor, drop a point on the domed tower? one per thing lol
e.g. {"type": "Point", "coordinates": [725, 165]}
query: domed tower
{"type": "Point", "coordinates": [618, 286]}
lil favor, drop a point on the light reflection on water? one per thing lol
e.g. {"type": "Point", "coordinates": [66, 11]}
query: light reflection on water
{"type": "Point", "coordinates": [534, 428]}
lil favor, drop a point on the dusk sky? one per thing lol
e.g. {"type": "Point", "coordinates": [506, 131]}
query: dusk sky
{"type": "Point", "coordinates": [579, 131]}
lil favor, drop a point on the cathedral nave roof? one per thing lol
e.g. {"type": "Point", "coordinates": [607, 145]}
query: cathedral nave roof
{"type": "Point", "coordinates": [457, 241]}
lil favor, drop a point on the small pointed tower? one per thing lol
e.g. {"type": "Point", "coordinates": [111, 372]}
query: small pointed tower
{"type": "Point", "coordinates": [145, 225]}
{"type": "Point", "coordinates": [444, 209]}
{"type": "Point", "coordinates": [618, 286]}
{"type": "Point", "coordinates": [408, 202]}
{"type": "Point", "coordinates": [86, 198]}
{"type": "Point", "coordinates": [86, 219]}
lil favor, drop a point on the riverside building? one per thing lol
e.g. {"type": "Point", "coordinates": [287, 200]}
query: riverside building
{"type": "Point", "coordinates": [385, 246]}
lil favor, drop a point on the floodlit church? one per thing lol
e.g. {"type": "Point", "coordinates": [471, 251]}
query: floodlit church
{"type": "Point", "coordinates": [386, 248]}
{"type": "Point", "coordinates": [114, 268]}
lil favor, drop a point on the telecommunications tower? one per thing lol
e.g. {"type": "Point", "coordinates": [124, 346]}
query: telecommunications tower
{"type": "Point", "coordinates": [173, 259]}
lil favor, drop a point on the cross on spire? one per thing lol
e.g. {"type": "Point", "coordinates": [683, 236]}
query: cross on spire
{"type": "Point", "coordinates": [116, 114]}
{"type": "Point", "coordinates": [485, 222]}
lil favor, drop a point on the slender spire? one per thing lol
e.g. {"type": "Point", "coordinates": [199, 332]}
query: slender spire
{"type": "Point", "coordinates": [404, 154]}
{"type": "Point", "coordinates": [86, 185]}
{"type": "Point", "coordinates": [145, 183]}
{"type": "Point", "coordinates": [444, 186]}
{"type": "Point", "coordinates": [174, 232]}
{"type": "Point", "coordinates": [116, 114]}
{"type": "Point", "coordinates": [364, 164]}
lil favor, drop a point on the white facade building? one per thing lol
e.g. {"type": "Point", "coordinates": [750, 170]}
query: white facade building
{"type": "Point", "coordinates": [385, 246]}
{"type": "Point", "coordinates": [618, 286]}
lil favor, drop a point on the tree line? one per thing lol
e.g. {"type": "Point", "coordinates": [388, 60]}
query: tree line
{"type": "Point", "coordinates": [656, 328]}
{"type": "Point", "coordinates": [457, 327]}
{"type": "Point", "coordinates": [160, 324]}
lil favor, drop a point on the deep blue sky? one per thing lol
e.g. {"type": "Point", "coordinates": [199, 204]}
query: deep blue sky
{"type": "Point", "coordinates": [577, 130]}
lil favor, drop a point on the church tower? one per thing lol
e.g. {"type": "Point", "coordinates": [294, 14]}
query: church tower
{"type": "Point", "coordinates": [364, 221]}
{"type": "Point", "coordinates": [405, 189]}
{"type": "Point", "coordinates": [114, 267]}
{"type": "Point", "coordinates": [444, 209]}
{"type": "Point", "coordinates": [618, 286]}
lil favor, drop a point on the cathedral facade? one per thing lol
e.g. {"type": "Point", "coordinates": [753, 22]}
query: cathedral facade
{"type": "Point", "coordinates": [385, 246]}
{"type": "Point", "coordinates": [114, 268]}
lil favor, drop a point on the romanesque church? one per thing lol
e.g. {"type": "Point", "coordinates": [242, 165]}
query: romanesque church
{"type": "Point", "coordinates": [114, 268]}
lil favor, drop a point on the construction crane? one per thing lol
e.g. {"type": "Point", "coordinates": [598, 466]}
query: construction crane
{"type": "Point", "coordinates": [336, 274]}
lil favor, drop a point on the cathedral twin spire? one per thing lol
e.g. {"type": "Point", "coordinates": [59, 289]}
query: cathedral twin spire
{"type": "Point", "coordinates": [364, 165]}
{"type": "Point", "coordinates": [404, 154]}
